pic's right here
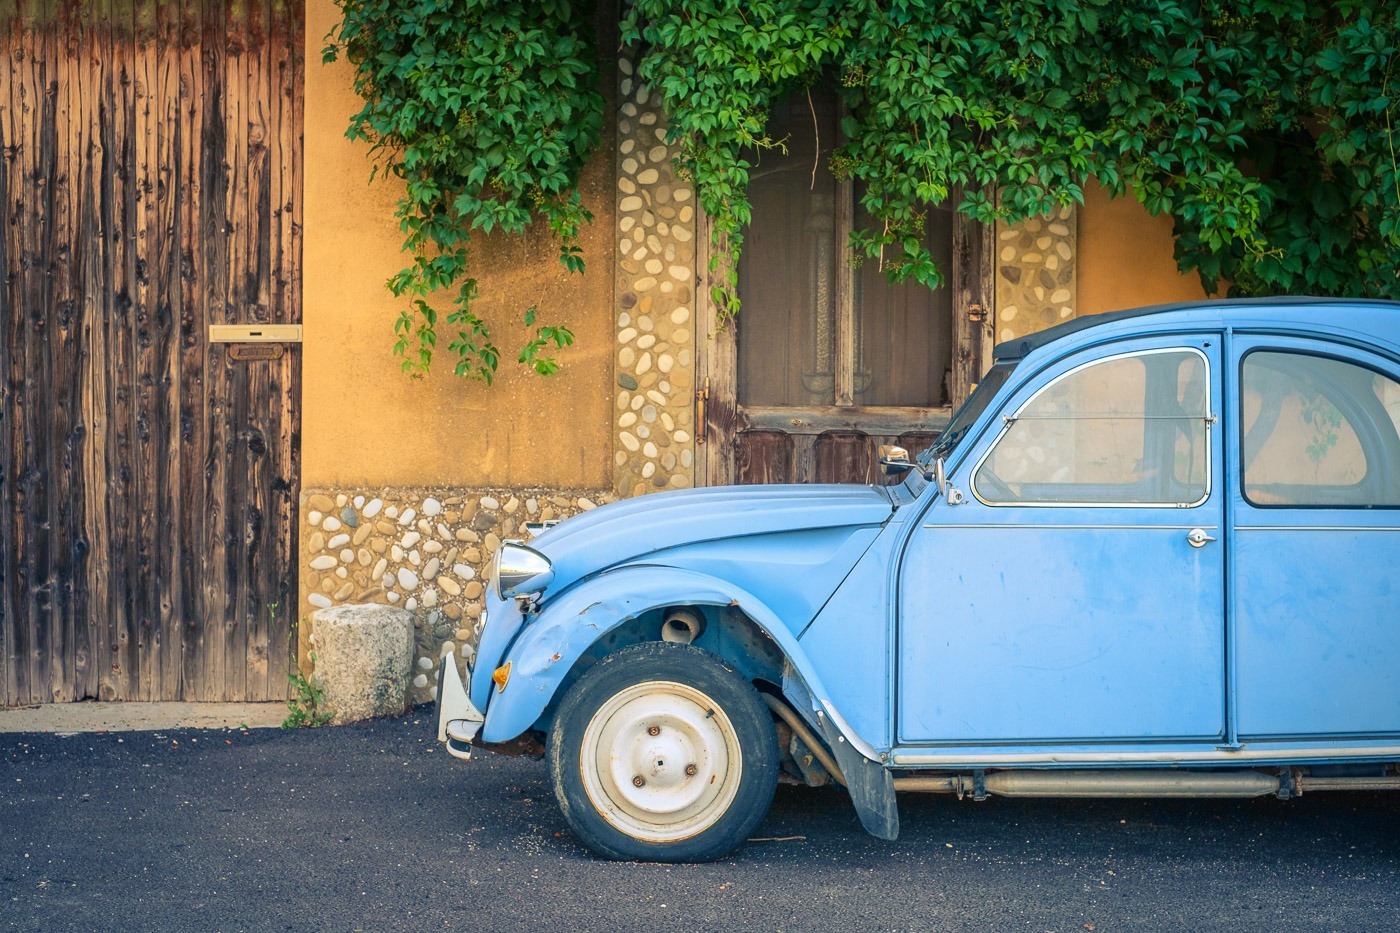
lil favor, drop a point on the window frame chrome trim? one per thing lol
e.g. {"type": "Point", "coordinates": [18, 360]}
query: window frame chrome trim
{"type": "Point", "coordinates": [1085, 526]}
{"type": "Point", "coordinates": [1212, 420]}
{"type": "Point", "coordinates": [1390, 528]}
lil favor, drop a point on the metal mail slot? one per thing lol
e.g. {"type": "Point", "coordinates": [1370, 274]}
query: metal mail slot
{"type": "Point", "coordinates": [246, 352]}
{"type": "Point", "coordinates": [255, 333]}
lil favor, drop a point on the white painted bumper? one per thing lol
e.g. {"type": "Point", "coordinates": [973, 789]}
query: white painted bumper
{"type": "Point", "coordinates": [459, 720]}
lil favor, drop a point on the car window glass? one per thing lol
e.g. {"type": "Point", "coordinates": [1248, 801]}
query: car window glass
{"type": "Point", "coordinates": [1189, 430]}
{"type": "Point", "coordinates": [1127, 430]}
{"type": "Point", "coordinates": [967, 414]}
{"type": "Point", "coordinates": [1317, 431]}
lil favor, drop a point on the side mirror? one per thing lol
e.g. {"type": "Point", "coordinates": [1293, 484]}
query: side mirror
{"type": "Point", "coordinates": [894, 460]}
{"type": "Point", "coordinates": [951, 494]}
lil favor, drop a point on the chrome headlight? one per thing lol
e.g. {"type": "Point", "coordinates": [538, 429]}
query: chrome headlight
{"type": "Point", "coordinates": [517, 570]}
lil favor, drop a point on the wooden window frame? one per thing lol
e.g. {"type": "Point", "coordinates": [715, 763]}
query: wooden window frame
{"type": "Point", "coordinates": [720, 417]}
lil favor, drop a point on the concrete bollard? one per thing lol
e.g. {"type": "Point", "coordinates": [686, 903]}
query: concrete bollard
{"type": "Point", "coordinates": [364, 656]}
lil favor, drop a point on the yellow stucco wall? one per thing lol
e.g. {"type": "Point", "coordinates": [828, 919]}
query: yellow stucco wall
{"type": "Point", "coordinates": [364, 423]}
{"type": "Point", "coordinates": [1125, 257]}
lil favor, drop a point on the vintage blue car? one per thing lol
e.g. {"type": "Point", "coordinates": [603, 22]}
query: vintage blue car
{"type": "Point", "coordinates": [1155, 554]}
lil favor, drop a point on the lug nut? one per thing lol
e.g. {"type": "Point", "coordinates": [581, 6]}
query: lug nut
{"type": "Point", "coordinates": [691, 770]}
{"type": "Point", "coordinates": [639, 781]}
{"type": "Point", "coordinates": [653, 730]}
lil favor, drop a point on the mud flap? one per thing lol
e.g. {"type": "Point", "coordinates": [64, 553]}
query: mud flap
{"type": "Point", "coordinates": [869, 782]}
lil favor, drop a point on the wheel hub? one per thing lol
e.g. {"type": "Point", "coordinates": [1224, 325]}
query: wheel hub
{"type": "Point", "coordinates": [661, 761]}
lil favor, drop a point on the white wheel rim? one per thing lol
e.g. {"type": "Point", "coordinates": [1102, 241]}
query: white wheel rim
{"type": "Point", "coordinates": [660, 761]}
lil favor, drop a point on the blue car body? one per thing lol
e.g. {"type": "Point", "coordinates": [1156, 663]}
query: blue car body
{"type": "Point", "coordinates": [1214, 591]}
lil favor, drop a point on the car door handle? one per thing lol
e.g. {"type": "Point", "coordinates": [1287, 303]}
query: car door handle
{"type": "Point", "coordinates": [1198, 537]}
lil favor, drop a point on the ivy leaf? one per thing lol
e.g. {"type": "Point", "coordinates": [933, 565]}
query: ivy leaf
{"type": "Point", "coordinates": [480, 106]}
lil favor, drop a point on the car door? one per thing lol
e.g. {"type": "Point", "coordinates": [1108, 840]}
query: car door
{"type": "Point", "coordinates": [1076, 594]}
{"type": "Point", "coordinates": [1317, 541]}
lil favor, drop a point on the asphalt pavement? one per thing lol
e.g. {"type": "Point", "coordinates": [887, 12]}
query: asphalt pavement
{"type": "Point", "coordinates": [373, 827]}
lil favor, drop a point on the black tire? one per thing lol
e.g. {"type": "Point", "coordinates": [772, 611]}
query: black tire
{"type": "Point", "coordinates": [707, 772]}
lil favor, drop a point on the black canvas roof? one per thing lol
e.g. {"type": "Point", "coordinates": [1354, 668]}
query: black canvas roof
{"type": "Point", "coordinates": [1015, 349]}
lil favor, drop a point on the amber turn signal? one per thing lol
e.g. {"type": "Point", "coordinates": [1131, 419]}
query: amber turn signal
{"type": "Point", "coordinates": [500, 675]}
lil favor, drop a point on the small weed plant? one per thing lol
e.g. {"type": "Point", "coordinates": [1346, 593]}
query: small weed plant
{"type": "Point", "coordinates": [307, 704]}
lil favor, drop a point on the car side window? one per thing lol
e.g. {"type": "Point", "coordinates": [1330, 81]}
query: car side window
{"type": "Point", "coordinates": [1127, 430]}
{"type": "Point", "coordinates": [1317, 431]}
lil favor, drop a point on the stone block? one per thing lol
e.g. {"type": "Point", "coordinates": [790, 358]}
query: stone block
{"type": "Point", "coordinates": [364, 658]}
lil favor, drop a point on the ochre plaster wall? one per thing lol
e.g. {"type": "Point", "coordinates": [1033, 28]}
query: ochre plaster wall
{"type": "Point", "coordinates": [364, 423]}
{"type": "Point", "coordinates": [1125, 257]}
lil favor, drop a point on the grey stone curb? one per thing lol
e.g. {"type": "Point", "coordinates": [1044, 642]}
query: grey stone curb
{"type": "Point", "coordinates": [64, 718]}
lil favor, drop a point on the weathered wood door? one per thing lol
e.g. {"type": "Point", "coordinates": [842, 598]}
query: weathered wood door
{"type": "Point", "coordinates": [150, 188]}
{"type": "Point", "coordinates": [826, 361]}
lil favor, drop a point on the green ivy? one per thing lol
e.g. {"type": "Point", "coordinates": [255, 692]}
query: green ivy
{"type": "Point", "coordinates": [486, 110]}
{"type": "Point", "coordinates": [720, 67]}
{"type": "Point", "coordinates": [1265, 128]}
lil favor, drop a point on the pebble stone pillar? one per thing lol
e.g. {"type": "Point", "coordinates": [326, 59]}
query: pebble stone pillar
{"type": "Point", "coordinates": [1036, 274]}
{"type": "Point", "coordinates": [654, 415]}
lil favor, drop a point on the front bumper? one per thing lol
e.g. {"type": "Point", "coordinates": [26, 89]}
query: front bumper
{"type": "Point", "coordinates": [458, 719]}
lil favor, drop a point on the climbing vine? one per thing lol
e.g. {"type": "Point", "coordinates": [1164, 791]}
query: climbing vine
{"type": "Point", "coordinates": [1267, 129]}
{"type": "Point", "coordinates": [487, 111]}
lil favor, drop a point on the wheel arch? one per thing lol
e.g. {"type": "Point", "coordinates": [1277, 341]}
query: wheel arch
{"type": "Point", "coordinates": [626, 607]}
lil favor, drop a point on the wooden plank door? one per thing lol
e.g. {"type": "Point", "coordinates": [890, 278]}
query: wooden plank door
{"type": "Point", "coordinates": [151, 187]}
{"type": "Point", "coordinates": [826, 360]}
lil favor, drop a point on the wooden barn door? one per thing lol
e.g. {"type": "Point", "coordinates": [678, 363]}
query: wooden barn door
{"type": "Point", "coordinates": [150, 188]}
{"type": "Point", "coordinates": [826, 361]}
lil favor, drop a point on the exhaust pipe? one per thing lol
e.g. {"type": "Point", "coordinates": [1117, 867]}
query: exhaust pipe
{"type": "Point", "coordinates": [1125, 783]}
{"type": "Point", "coordinates": [1379, 782]}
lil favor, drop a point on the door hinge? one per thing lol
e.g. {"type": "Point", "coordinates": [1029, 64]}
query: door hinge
{"type": "Point", "coordinates": [702, 398]}
{"type": "Point", "coordinates": [976, 313]}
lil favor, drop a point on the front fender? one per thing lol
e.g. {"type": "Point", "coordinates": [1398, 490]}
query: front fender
{"type": "Point", "coordinates": [552, 643]}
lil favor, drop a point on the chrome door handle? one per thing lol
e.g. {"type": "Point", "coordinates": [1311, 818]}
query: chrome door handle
{"type": "Point", "coordinates": [1197, 537]}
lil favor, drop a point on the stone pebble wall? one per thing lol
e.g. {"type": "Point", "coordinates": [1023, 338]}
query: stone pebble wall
{"type": "Point", "coordinates": [424, 550]}
{"type": "Point", "coordinates": [653, 428]}
{"type": "Point", "coordinates": [1036, 274]}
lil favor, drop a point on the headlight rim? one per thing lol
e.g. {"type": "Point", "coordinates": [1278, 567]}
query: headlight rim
{"type": "Point", "coordinates": [519, 570]}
